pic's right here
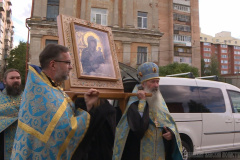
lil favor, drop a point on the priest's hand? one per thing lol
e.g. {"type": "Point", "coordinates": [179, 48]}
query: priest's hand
{"type": "Point", "coordinates": [141, 95]}
{"type": "Point", "coordinates": [168, 134]}
{"type": "Point", "coordinates": [91, 97]}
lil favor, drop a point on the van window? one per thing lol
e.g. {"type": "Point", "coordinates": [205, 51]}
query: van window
{"type": "Point", "coordinates": [186, 99]}
{"type": "Point", "coordinates": [235, 100]}
{"type": "Point", "coordinates": [213, 100]}
{"type": "Point", "coordinates": [181, 99]}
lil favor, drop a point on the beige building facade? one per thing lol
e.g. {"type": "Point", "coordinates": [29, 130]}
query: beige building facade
{"type": "Point", "coordinates": [141, 29]}
{"type": "Point", "coordinates": [6, 33]}
{"type": "Point", "coordinates": [227, 50]}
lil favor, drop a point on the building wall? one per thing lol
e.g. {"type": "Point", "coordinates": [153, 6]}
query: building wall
{"type": "Point", "coordinates": [6, 34]}
{"type": "Point", "coordinates": [122, 17]}
{"type": "Point", "coordinates": [227, 50]}
{"type": "Point", "coordinates": [179, 50]}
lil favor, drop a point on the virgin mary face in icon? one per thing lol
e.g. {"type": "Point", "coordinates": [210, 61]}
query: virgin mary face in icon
{"type": "Point", "coordinates": [91, 59]}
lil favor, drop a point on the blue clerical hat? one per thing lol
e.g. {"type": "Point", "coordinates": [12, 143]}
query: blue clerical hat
{"type": "Point", "coordinates": [147, 71]}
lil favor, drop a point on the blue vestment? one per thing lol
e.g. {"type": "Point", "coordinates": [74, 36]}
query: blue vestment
{"type": "Point", "coordinates": [9, 107]}
{"type": "Point", "coordinates": [49, 127]}
{"type": "Point", "coordinates": [152, 146]}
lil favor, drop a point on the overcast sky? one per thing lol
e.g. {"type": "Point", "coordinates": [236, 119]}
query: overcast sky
{"type": "Point", "coordinates": [219, 15]}
{"type": "Point", "coordinates": [214, 16]}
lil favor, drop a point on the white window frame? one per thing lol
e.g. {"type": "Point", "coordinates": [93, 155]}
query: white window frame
{"type": "Point", "coordinates": [142, 57]}
{"type": "Point", "coordinates": [142, 20]}
{"type": "Point", "coordinates": [102, 13]}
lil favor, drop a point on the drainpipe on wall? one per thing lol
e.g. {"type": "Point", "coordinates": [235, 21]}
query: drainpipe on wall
{"type": "Point", "coordinates": [27, 51]}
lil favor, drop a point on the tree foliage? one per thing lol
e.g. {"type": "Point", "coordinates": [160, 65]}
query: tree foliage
{"type": "Point", "coordinates": [176, 68]}
{"type": "Point", "coordinates": [17, 59]}
{"type": "Point", "coordinates": [212, 69]}
{"type": "Point", "coordinates": [203, 67]}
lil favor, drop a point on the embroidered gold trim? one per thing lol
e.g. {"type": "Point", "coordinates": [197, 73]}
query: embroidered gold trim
{"type": "Point", "coordinates": [43, 77]}
{"type": "Point", "coordinates": [69, 137]}
{"type": "Point", "coordinates": [44, 137]}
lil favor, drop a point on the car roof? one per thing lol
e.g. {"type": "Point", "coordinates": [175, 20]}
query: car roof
{"type": "Point", "coordinates": [129, 76]}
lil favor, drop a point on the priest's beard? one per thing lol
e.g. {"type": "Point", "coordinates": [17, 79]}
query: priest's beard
{"type": "Point", "coordinates": [14, 90]}
{"type": "Point", "coordinates": [155, 100]}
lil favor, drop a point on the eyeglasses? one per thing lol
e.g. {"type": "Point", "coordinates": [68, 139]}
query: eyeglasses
{"type": "Point", "coordinates": [67, 62]}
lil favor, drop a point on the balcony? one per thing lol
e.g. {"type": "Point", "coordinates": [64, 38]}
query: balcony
{"type": "Point", "coordinates": [2, 6]}
{"type": "Point", "coordinates": [11, 45]}
{"type": "Point", "coordinates": [5, 56]}
{"type": "Point", "coordinates": [9, 2]}
{"type": "Point", "coordinates": [185, 54]}
{"type": "Point", "coordinates": [9, 20]}
{"type": "Point", "coordinates": [7, 44]}
{"type": "Point", "coordinates": [7, 38]}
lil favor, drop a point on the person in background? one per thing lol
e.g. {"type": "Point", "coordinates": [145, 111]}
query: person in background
{"type": "Point", "coordinates": [10, 99]}
{"type": "Point", "coordinates": [146, 129]}
{"type": "Point", "coordinates": [1, 86]}
{"type": "Point", "coordinates": [99, 139]}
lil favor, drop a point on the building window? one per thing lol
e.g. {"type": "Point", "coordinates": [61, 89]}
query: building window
{"type": "Point", "coordinates": [207, 49]}
{"type": "Point", "coordinates": [237, 67]}
{"type": "Point", "coordinates": [207, 60]}
{"type": "Point", "coordinates": [236, 57]}
{"type": "Point", "coordinates": [181, 17]}
{"type": "Point", "coordinates": [223, 45]}
{"type": "Point", "coordinates": [142, 20]}
{"type": "Point", "coordinates": [235, 42]}
{"type": "Point", "coordinates": [142, 55]}
{"type": "Point", "coordinates": [183, 28]}
{"type": "Point", "coordinates": [206, 44]}
{"type": "Point", "coordinates": [224, 51]}
{"type": "Point", "coordinates": [224, 61]}
{"type": "Point", "coordinates": [236, 52]}
{"type": "Point", "coordinates": [224, 66]}
{"type": "Point", "coordinates": [52, 9]}
{"type": "Point", "coordinates": [50, 41]}
{"type": "Point", "coordinates": [99, 16]}
{"type": "Point", "coordinates": [181, 8]}
{"type": "Point", "coordinates": [207, 55]}
{"type": "Point", "coordinates": [217, 40]}
{"type": "Point", "coordinates": [236, 47]}
{"type": "Point", "coordinates": [205, 39]}
{"type": "Point", "coordinates": [224, 72]}
{"type": "Point", "coordinates": [187, 60]}
{"type": "Point", "coordinates": [224, 56]}
{"type": "Point", "coordinates": [182, 38]}
{"type": "Point", "coordinates": [237, 62]}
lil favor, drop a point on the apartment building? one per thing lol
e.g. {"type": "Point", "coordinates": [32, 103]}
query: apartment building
{"type": "Point", "coordinates": [143, 30]}
{"type": "Point", "coordinates": [179, 21]}
{"type": "Point", "coordinates": [225, 47]}
{"type": "Point", "coordinates": [6, 32]}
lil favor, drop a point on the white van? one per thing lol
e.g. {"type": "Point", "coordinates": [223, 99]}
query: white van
{"type": "Point", "coordinates": [206, 113]}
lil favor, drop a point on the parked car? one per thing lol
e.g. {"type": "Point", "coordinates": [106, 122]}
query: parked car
{"type": "Point", "coordinates": [207, 113]}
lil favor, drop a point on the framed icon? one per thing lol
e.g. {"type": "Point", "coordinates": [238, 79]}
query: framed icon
{"type": "Point", "coordinates": [93, 53]}
{"type": "Point", "coordinates": [94, 59]}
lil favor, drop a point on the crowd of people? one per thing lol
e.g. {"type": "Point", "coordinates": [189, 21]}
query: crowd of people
{"type": "Point", "coordinates": [42, 122]}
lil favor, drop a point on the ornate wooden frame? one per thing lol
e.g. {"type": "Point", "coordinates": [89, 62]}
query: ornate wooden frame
{"type": "Point", "coordinates": [72, 34]}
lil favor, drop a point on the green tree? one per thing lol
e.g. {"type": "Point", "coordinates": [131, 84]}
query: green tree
{"type": "Point", "coordinates": [176, 68]}
{"type": "Point", "coordinates": [203, 67]}
{"type": "Point", "coordinates": [213, 67]}
{"type": "Point", "coordinates": [17, 59]}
